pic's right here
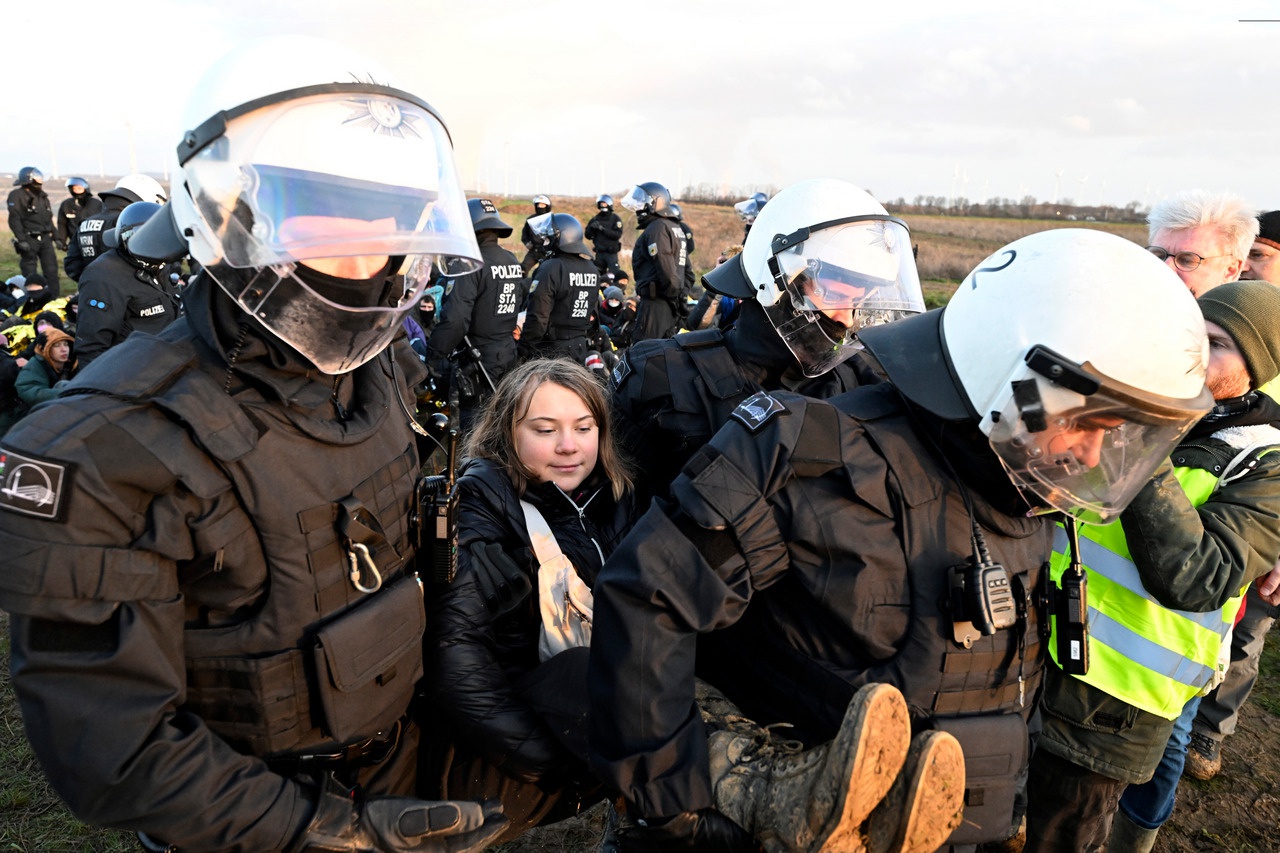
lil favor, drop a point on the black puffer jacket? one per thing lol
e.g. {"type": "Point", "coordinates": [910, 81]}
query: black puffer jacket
{"type": "Point", "coordinates": [473, 657]}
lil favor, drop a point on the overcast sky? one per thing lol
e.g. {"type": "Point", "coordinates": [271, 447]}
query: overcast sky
{"type": "Point", "coordinates": [1106, 101]}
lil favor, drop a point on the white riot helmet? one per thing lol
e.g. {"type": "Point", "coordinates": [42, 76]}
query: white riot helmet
{"type": "Point", "coordinates": [819, 249]}
{"type": "Point", "coordinates": [1082, 362]}
{"type": "Point", "coordinates": [299, 152]}
{"type": "Point", "coordinates": [145, 187]}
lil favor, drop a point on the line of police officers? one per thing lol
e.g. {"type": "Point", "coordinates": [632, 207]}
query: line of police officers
{"type": "Point", "coordinates": [208, 543]}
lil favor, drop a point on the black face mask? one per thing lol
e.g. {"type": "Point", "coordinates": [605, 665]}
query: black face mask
{"type": "Point", "coordinates": [427, 314]}
{"type": "Point", "coordinates": [354, 293]}
{"type": "Point", "coordinates": [833, 330]}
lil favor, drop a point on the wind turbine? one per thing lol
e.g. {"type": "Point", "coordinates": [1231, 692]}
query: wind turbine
{"type": "Point", "coordinates": [1057, 181]}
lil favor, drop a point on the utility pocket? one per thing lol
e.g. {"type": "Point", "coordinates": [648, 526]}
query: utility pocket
{"type": "Point", "coordinates": [995, 764]}
{"type": "Point", "coordinates": [258, 705]}
{"type": "Point", "coordinates": [368, 661]}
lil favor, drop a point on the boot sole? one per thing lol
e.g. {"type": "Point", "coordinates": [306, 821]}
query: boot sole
{"type": "Point", "coordinates": [864, 759]}
{"type": "Point", "coordinates": [1199, 767]}
{"type": "Point", "coordinates": [928, 803]}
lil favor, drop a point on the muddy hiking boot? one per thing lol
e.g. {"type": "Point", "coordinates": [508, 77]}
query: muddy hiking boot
{"type": "Point", "coordinates": [925, 804]}
{"type": "Point", "coordinates": [813, 800]}
{"type": "Point", "coordinates": [1204, 757]}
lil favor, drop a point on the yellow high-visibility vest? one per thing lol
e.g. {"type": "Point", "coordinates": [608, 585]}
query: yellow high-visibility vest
{"type": "Point", "coordinates": [1140, 651]}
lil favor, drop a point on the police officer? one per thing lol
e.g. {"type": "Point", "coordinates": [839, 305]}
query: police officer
{"type": "Point", "coordinates": [671, 396]}
{"type": "Point", "coordinates": [748, 209]}
{"type": "Point", "coordinates": [604, 230]}
{"type": "Point", "coordinates": [75, 207]}
{"type": "Point", "coordinates": [31, 221]}
{"type": "Point", "coordinates": [121, 292]}
{"type": "Point", "coordinates": [830, 534]}
{"type": "Point", "coordinates": [658, 261]}
{"type": "Point", "coordinates": [238, 670]}
{"type": "Point", "coordinates": [88, 242]}
{"type": "Point", "coordinates": [690, 277]}
{"type": "Point", "coordinates": [564, 293]}
{"type": "Point", "coordinates": [541, 205]}
{"type": "Point", "coordinates": [482, 307]}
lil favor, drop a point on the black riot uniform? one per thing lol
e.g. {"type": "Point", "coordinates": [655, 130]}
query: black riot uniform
{"type": "Point", "coordinates": [604, 230]}
{"type": "Point", "coordinates": [562, 301]}
{"type": "Point", "coordinates": [88, 244]}
{"type": "Point", "coordinates": [118, 298]}
{"type": "Point", "coordinates": [658, 262]}
{"type": "Point", "coordinates": [671, 396]}
{"type": "Point", "coordinates": [483, 307]}
{"type": "Point", "coordinates": [187, 564]}
{"type": "Point", "coordinates": [822, 533]}
{"type": "Point", "coordinates": [73, 210]}
{"type": "Point", "coordinates": [31, 221]}
{"type": "Point", "coordinates": [690, 277]}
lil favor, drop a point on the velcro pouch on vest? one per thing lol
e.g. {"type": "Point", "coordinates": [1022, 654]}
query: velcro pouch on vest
{"type": "Point", "coordinates": [368, 660]}
{"type": "Point", "coordinates": [711, 358]}
{"type": "Point", "coordinates": [995, 754]}
{"type": "Point", "coordinates": [259, 705]}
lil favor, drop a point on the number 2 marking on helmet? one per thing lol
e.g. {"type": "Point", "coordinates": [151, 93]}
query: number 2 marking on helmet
{"type": "Point", "coordinates": [1012, 253]}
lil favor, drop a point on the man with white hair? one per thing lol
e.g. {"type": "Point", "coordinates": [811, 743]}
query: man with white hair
{"type": "Point", "coordinates": [1204, 237]}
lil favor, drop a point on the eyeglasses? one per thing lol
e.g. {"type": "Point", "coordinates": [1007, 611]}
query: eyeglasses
{"type": "Point", "coordinates": [1185, 261]}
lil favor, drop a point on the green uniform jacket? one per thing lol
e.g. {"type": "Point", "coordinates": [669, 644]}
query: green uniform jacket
{"type": "Point", "coordinates": [1189, 558]}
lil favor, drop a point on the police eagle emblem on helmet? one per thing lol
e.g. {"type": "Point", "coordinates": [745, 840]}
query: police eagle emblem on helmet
{"type": "Point", "coordinates": [383, 116]}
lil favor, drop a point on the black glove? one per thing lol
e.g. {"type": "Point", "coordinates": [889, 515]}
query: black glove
{"type": "Point", "coordinates": [503, 584]}
{"type": "Point", "coordinates": [398, 825]}
{"type": "Point", "coordinates": [61, 244]}
{"type": "Point", "coordinates": [705, 831]}
{"type": "Point", "coordinates": [22, 247]}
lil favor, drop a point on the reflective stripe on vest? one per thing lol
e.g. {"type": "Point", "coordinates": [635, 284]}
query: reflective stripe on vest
{"type": "Point", "coordinates": [1143, 653]}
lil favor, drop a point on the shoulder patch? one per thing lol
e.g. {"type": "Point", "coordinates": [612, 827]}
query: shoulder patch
{"type": "Point", "coordinates": [757, 410]}
{"type": "Point", "coordinates": [621, 371]}
{"type": "Point", "coordinates": [448, 287]}
{"type": "Point", "coordinates": [533, 285]}
{"type": "Point", "coordinates": [31, 486]}
{"type": "Point", "coordinates": [653, 249]}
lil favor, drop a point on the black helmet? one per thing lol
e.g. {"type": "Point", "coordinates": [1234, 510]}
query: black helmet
{"type": "Point", "coordinates": [649, 199]}
{"type": "Point", "coordinates": [131, 218]}
{"type": "Point", "coordinates": [675, 211]}
{"type": "Point", "coordinates": [29, 175]}
{"type": "Point", "coordinates": [541, 204]}
{"type": "Point", "coordinates": [559, 232]}
{"type": "Point", "coordinates": [72, 183]}
{"type": "Point", "coordinates": [605, 203]}
{"type": "Point", "coordinates": [484, 217]}
{"type": "Point", "coordinates": [760, 199]}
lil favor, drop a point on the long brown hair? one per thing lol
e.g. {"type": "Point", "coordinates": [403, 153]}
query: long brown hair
{"type": "Point", "coordinates": [494, 436]}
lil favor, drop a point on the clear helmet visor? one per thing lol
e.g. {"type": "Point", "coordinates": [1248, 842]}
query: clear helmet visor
{"type": "Point", "coordinates": [839, 280]}
{"type": "Point", "coordinates": [542, 226]}
{"type": "Point", "coordinates": [342, 182]}
{"type": "Point", "coordinates": [335, 335]}
{"type": "Point", "coordinates": [747, 210]}
{"type": "Point", "coordinates": [636, 200]}
{"type": "Point", "coordinates": [1086, 456]}
{"type": "Point", "coordinates": [331, 175]}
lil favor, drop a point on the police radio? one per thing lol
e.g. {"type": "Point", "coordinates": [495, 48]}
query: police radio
{"type": "Point", "coordinates": [436, 515]}
{"type": "Point", "coordinates": [983, 595]}
{"type": "Point", "coordinates": [1071, 609]}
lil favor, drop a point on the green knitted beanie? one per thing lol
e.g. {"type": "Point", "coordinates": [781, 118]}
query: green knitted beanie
{"type": "Point", "coordinates": [1249, 311]}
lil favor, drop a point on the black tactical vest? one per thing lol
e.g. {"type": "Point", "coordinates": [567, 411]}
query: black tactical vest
{"type": "Point", "coordinates": [319, 653]}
